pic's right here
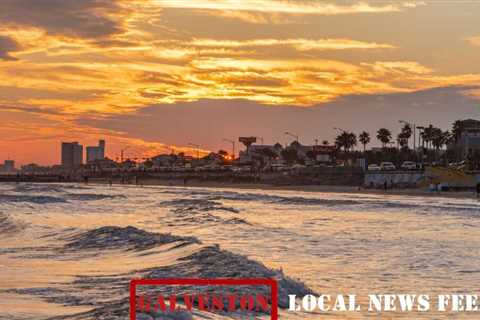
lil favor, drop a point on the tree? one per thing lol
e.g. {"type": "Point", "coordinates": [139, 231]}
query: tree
{"type": "Point", "coordinates": [223, 153]}
{"type": "Point", "coordinates": [384, 136]}
{"type": "Point", "coordinates": [346, 140]}
{"type": "Point", "coordinates": [364, 138]}
{"type": "Point", "coordinates": [405, 135]}
{"type": "Point", "coordinates": [290, 155]}
{"type": "Point", "coordinates": [325, 142]}
{"type": "Point", "coordinates": [439, 138]}
{"type": "Point", "coordinates": [402, 140]}
{"type": "Point", "coordinates": [428, 135]}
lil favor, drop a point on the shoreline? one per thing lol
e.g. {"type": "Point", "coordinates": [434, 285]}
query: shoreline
{"type": "Point", "coordinates": [418, 192]}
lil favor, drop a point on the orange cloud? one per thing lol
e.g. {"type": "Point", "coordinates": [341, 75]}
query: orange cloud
{"type": "Point", "coordinates": [275, 6]}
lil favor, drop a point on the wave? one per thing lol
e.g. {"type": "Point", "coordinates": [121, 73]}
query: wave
{"type": "Point", "coordinates": [129, 237]}
{"type": "Point", "coordinates": [213, 262]}
{"type": "Point", "coordinates": [9, 198]}
{"type": "Point", "coordinates": [108, 295]}
{"type": "Point", "coordinates": [39, 187]}
{"type": "Point", "coordinates": [92, 196]}
{"type": "Point", "coordinates": [360, 202]}
{"type": "Point", "coordinates": [8, 225]}
{"type": "Point", "coordinates": [204, 205]}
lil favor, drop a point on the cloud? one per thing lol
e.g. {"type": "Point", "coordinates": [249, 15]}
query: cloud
{"type": "Point", "coordinates": [207, 121]}
{"type": "Point", "coordinates": [7, 45]}
{"type": "Point", "coordinates": [289, 7]}
{"type": "Point", "coordinates": [73, 18]}
{"type": "Point", "coordinates": [474, 41]}
{"type": "Point", "coordinates": [299, 44]}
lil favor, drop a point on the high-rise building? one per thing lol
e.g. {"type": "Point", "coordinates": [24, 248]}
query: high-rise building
{"type": "Point", "coordinates": [8, 166]}
{"type": "Point", "coordinates": [96, 153]}
{"type": "Point", "coordinates": [72, 154]}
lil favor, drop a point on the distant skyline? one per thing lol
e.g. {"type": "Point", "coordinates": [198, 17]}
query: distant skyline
{"type": "Point", "coordinates": [158, 74]}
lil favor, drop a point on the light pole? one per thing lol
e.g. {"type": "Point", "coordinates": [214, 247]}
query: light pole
{"type": "Point", "coordinates": [233, 146]}
{"type": "Point", "coordinates": [414, 132]}
{"type": "Point", "coordinates": [197, 146]}
{"type": "Point", "coordinates": [292, 135]}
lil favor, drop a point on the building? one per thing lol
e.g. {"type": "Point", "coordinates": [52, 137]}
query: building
{"type": "Point", "coordinates": [72, 155]}
{"type": "Point", "coordinates": [96, 152]}
{"type": "Point", "coordinates": [260, 152]}
{"type": "Point", "coordinates": [325, 153]}
{"type": "Point", "coordinates": [8, 166]}
{"type": "Point", "coordinates": [469, 141]}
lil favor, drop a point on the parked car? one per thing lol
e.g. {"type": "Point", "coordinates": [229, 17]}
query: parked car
{"type": "Point", "coordinates": [409, 165]}
{"type": "Point", "coordinates": [387, 166]}
{"type": "Point", "coordinates": [374, 167]}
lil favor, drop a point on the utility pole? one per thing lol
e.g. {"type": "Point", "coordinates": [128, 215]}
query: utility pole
{"type": "Point", "coordinates": [233, 146]}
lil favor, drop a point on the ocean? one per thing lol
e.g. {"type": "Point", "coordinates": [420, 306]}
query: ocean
{"type": "Point", "coordinates": [68, 251]}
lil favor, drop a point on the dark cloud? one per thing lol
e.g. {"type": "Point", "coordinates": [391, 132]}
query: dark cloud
{"type": "Point", "coordinates": [75, 18]}
{"type": "Point", "coordinates": [7, 45]}
{"type": "Point", "coordinates": [208, 121]}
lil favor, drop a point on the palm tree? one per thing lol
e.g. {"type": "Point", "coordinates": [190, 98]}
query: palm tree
{"type": "Point", "coordinates": [364, 138]}
{"type": "Point", "coordinates": [384, 135]}
{"type": "Point", "coordinates": [346, 140]}
{"type": "Point", "coordinates": [402, 140]}
{"type": "Point", "coordinates": [405, 135]}
{"type": "Point", "coordinates": [428, 135]}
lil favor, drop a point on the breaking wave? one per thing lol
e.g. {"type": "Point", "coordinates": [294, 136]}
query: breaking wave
{"type": "Point", "coordinates": [127, 238]}
{"type": "Point", "coordinates": [108, 295]}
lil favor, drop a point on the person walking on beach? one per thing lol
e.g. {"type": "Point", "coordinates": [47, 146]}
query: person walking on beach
{"type": "Point", "coordinates": [478, 190]}
{"type": "Point", "coordinates": [385, 186]}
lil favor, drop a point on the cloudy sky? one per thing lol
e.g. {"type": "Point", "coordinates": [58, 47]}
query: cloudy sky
{"type": "Point", "coordinates": [156, 75]}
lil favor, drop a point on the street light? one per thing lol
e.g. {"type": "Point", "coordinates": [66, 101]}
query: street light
{"type": "Point", "coordinates": [233, 146]}
{"type": "Point", "coordinates": [414, 132]}
{"type": "Point", "coordinates": [292, 135]}
{"type": "Point", "coordinates": [197, 146]}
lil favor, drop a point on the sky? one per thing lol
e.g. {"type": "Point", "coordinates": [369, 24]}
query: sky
{"type": "Point", "coordinates": [156, 75]}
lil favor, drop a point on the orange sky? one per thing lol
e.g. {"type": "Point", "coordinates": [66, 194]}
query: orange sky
{"type": "Point", "coordinates": [68, 67]}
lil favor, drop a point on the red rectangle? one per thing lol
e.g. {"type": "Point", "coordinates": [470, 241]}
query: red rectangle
{"type": "Point", "coordinates": [206, 282]}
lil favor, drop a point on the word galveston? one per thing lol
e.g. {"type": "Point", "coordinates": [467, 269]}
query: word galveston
{"type": "Point", "coordinates": [386, 303]}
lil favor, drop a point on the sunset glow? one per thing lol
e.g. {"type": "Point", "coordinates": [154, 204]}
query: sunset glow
{"type": "Point", "coordinates": [65, 66]}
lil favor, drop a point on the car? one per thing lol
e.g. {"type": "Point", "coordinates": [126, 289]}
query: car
{"type": "Point", "coordinates": [374, 167]}
{"type": "Point", "coordinates": [387, 166]}
{"type": "Point", "coordinates": [409, 165]}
